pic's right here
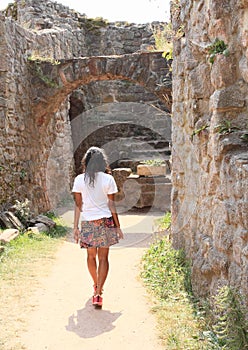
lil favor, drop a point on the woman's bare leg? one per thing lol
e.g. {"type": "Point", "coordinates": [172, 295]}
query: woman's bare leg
{"type": "Point", "coordinates": [103, 268]}
{"type": "Point", "coordinates": [91, 262]}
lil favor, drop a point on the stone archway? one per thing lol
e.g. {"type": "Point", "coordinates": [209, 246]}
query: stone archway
{"type": "Point", "coordinates": [52, 83]}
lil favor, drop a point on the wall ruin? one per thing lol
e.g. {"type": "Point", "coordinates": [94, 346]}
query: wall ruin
{"type": "Point", "coordinates": [36, 142]}
{"type": "Point", "coordinates": [210, 150]}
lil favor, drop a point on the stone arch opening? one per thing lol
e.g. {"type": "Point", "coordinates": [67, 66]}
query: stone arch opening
{"type": "Point", "coordinates": [52, 83]}
{"type": "Point", "coordinates": [50, 89]}
{"type": "Point", "coordinates": [126, 110]}
{"type": "Point", "coordinates": [130, 132]}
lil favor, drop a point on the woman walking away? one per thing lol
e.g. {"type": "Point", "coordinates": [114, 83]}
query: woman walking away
{"type": "Point", "coordinates": [93, 192]}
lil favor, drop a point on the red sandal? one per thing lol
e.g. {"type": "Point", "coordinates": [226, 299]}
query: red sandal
{"type": "Point", "coordinates": [97, 301]}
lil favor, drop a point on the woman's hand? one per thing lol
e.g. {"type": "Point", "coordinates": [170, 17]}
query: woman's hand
{"type": "Point", "coordinates": [76, 233]}
{"type": "Point", "coordinates": [119, 233]}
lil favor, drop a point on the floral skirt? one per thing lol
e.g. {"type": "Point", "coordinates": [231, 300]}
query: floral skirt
{"type": "Point", "coordinates": [98, 233]}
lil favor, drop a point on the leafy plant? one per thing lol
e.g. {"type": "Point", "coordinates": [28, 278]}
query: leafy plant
{"type": "Point", "coordinates": [197, 131]}
{"type": "Point", "coordinates": [244, 137]}
{"type": "Point", "coordinates": [153, 162]}
{"type": "Point", "coordinates": [163, 37]}
{"type": "Point", "coordinates": [23, 174]}
{"type": "Point", "coordinates": [230, 326]}
{"type": "Point", "coordinates": [92, 24]}
{"type": "Point", "coordinates": [225, 127]}
{"type": "Point", "coordinates": [22, 210]}
{"type": "Point", "coordinates": [164, 269]}
{"type": "Point", "coordinates": [37, 60]}
{"type": "Point", "coordinates": [218, 47]}
{"type": "Point", "coordinates": [164, 222]}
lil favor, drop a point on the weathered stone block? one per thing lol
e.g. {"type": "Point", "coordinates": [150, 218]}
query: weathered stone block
{"type": "Point", "coordinates": [8, 235]}
{"type": "Point", "coordinates": [44, 220]}
{"type": "Point", "coordinates": [120, 175]}
{"type": "Point", "coordinates": [42, 227]}
{"type": "Point", "coordinates": [223, 72]}
{"type": "Point", "coordinates": [9, 220]}
{"type": "Point", "coordinates": [243, 67]}
{"type": "Point", "coordinates": [200, 86]}
{"type": "Point", "coordinates": [227, 99]}
{"type": "Point", "coordinates": [150, 170]}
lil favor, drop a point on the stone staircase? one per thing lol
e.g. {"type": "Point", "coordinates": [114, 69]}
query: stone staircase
{"type": "Point", "coordinates": [143, 148]}
{"type": "Point", "coordinates": [141, 189]}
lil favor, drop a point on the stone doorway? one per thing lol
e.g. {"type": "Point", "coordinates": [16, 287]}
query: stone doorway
{"type": "Point", "coordinates": [133, 127]}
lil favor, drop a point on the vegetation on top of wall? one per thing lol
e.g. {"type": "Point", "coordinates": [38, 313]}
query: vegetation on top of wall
{"type": "Point", "coordinates": [37, 60]}
{"type": "Point", "coordinates": [11, 11]}
{"type": "Point", "coordinates": [92, 24]}
{"type": "Point", "coordinates": [163, 37]}
{"type": "Point", "coordinates": [122, 24]}
{"type": "Point", "coordinates": [217, 47]}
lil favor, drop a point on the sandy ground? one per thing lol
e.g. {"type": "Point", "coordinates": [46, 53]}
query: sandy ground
{"type": "Point", "coordinates": [63, 317]}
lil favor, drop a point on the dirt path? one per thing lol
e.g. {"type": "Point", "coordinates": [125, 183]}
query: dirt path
{"type": "Point", "coordinates": [63, 317]}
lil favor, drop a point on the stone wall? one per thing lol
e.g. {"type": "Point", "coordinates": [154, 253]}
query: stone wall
{"type": "Point", "coordinates": [210, 150]}
{"type": "Point", "coordinates": [25, 146]}
{"type": "Point", "coordinates": [37, 157]}
{"type": "Point", "coordinates": [64, 33]}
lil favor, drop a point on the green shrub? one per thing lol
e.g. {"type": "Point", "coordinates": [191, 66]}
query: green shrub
{"type": "Point", "coordinates": [218, 47]}
{"type": "Point", "coordinates": [165, 270]}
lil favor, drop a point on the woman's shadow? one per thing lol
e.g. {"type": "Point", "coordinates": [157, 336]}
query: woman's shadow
{"type": "Point", "coordinates": [86, 321]}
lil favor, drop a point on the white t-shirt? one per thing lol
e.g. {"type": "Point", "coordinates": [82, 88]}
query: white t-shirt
{"type": "Point", "coordinates": [95, 199]}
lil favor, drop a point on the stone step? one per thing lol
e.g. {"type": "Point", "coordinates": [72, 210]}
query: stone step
{"type": "Point", "coordinates": [157, 143]}
{"type": "Point", "coordinates": [148, 138]}
{"type": "Point", "coordinates": [149, 147]}
{"type": "Point", "coordinates": [153, 181]}
{"type": "Point", "coordinates": [150, 154]}
{"type": "Point", "coordinates": [133, 163]}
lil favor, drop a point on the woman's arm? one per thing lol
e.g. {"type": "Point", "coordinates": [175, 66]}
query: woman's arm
{"type": "Point", "coordinates": [77, 212]}
{"type": "Point", "coordinates": [112, 208]}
